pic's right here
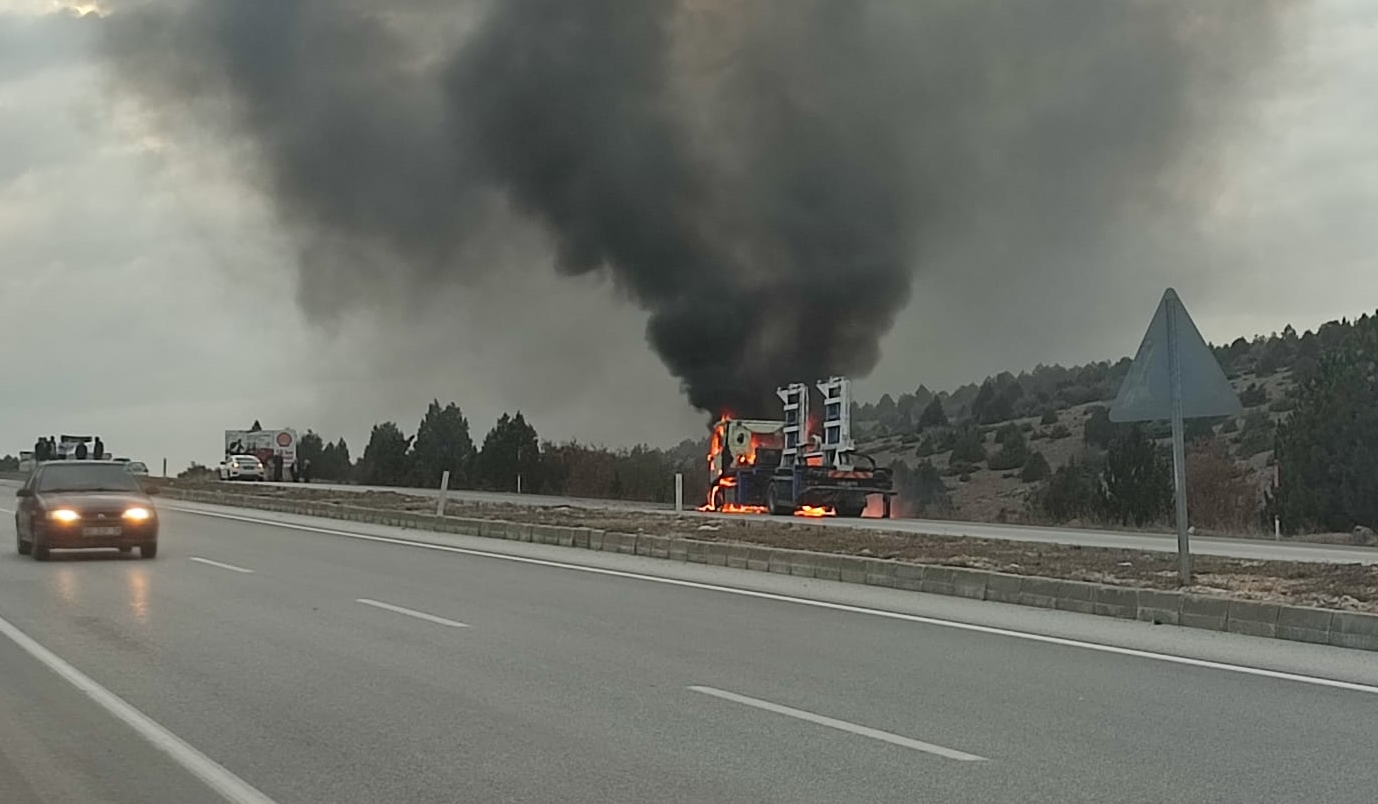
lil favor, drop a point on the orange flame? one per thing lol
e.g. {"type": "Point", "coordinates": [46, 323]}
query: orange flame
{"type": "Point", "coordinates": [814, 511]}
{"type": "Point", "coordinates": [716, 491]}
{"type": "Point", "coordinates": [734, 508]}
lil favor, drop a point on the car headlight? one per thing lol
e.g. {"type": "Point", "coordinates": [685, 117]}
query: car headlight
{"type": "Point", "coordinates": [64, 515]}
{"type": "Point", "coordinates": [137, 514]}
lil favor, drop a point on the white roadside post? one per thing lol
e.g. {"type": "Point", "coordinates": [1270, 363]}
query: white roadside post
{"type": "Point", "coordinates": [440, 498]}
{"type": "Point", "coordinates": [1175, 376]}
{"type": "Point", "coordinates": [679, 491]}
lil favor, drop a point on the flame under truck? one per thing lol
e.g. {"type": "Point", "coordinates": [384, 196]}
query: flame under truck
{"type": "Point", "coordinates": [800, 465]}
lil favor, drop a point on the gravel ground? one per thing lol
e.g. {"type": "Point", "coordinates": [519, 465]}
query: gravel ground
{"type": "Point", "coordinates": [1341, 586]}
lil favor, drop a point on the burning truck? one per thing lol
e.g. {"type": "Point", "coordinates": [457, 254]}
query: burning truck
{"type": "Point", "coordinates": [801, 465]}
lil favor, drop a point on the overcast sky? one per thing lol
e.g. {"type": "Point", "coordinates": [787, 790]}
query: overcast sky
{"type": "Point", "coordinates": [147, 292]}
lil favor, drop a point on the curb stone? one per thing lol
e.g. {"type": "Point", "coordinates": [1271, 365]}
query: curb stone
{"type": "Point", "coordinates": [1116, 601]}
{"type": "Point", "coordinates": [1352, 629]}
{"type": "Point", "coordinates": [1160, 607]}
{"type": "Point", "coordinates": [1210, 613]}
{"type": "Point", "coordinates": [1076, 596]}
{"type": "Point", "coordinates": [1304, 624]}
{"type": "Point", "coordinates": [1344, 629]}
{"type": "Point", "coordinates": [1039, 592]}
{"type": "Point", "coordinates": [1252, 618]}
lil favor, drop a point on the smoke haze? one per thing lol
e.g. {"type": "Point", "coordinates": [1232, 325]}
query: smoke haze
{"type": "Point", "coordinates": [767, 179]}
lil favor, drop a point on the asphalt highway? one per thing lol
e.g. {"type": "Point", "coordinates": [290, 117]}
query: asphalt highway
{"type": "Point", "coordinates": [282, 659]}
{"type": "Point", "coordinates": [1250, 549]}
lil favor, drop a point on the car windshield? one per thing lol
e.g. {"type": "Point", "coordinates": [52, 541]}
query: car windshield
{"type": "Point", "coordinates": [246, 459]}
{"type": "Point", "coordinates": [136, 466]}
{"type": "Point", "coordinates": [86, 477]}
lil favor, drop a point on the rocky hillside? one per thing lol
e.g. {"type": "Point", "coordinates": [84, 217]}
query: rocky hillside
{"type": "Point", "coordinates": [1060, 415]}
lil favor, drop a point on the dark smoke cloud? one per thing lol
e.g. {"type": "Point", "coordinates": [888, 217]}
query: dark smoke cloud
{"type": "Point", "coordinates": [763, 177]}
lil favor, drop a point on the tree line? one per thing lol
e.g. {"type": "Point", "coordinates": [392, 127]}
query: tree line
{"type": "Point", "coordinates": [510, 453]}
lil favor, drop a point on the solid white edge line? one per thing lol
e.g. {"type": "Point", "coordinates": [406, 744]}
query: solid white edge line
{"type": "Point", "coordinates": [214, 775]}
{"type": "Point", "coordinates": [229, 567]}
{"type": "Point", "coordinates": [840, 725]}
{"type": "Point", "coordinates": [822, 604]}
{"type": "Point", "coordinates": [420, 615]}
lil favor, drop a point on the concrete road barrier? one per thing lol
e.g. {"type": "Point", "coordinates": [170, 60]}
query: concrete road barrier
{"type": "Point", "coordinates": [1346, 629]}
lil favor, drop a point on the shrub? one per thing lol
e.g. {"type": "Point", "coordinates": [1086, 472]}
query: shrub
{"type": "Point", "coordinates": [1285, 405]}
{"type": "Point", "coordinates": [960, 468]}
{"type": "Point", "coordinates": [1231, 425]}
{"type": "Point", "coordinates": [1099, 429]}
{"type": "Point", "coordinates": [1072, 492]}
{"type": "Point", "coordinates": [969, 447]}
{"type": "Point", "coordinates": [926, 447]}
{"type": "Point", "coordinates": [921, 489]}
{"type": "Point", "coordinates": [1012, 454]}
{"type": "Point", "coordinates": [1035, 468]}
{"type": "Point", "coordinates": [1218, 495]}
{"type": "Point", "coordinates": [1059, 432]}
{"type": "Point", "coordinates": [1257, 435]}
{"type": "Point", "coordinates": [1049, 418]}
{"type": "Point", "coordinates": [1253, 396]}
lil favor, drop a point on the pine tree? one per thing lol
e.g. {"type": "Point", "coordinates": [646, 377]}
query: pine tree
{"type": "Point", "coordinates": [1137, 480]}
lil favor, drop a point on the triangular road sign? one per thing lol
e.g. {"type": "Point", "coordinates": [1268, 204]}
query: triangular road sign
{"type": "Point", "coordinates": [1147, 391]}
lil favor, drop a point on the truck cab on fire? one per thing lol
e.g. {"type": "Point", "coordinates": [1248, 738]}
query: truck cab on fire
{"type": "Point", "coordinates": [798, 465]}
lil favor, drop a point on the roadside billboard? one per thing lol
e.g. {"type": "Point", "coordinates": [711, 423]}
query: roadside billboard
{"type": "Point", "coordinates": [263, 444]}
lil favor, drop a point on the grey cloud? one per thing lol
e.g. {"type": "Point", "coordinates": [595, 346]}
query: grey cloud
{"type": "Point", "coordinates": [33, 43]}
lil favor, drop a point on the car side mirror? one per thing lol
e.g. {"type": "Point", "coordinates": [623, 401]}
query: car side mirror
{"type": "Point", "coordinates": [23, 492]}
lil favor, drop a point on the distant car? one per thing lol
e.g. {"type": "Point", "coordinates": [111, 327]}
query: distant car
{"type": "Point", "coordinates": [241, 467]}
{"type": "Point", "coordinates": [83, 504]}
{"type": "Point", "coordinates": [135, 467]}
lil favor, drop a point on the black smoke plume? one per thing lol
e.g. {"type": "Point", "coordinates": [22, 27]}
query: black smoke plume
{"type": "Point", "coordinates": [763, 177]}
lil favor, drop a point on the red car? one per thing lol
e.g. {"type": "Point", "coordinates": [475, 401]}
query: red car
{"type": "Point", "coordinates": [83, 504]}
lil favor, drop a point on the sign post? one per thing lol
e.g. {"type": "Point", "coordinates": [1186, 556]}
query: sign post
{"type": "Point", "coordinates": [440, 497]}
{"type": "Point", "coordinates": [1179, 440]}
{"type": "Point", "coordinates": [679, 491]}
{"type": "Point", "coordinates": [1175, 376]}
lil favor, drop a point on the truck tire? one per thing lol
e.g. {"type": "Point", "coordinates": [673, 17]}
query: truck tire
{"type": "Point", "coordinates": [773, 503]}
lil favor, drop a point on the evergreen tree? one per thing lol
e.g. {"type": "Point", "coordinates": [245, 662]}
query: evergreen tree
{"type": "Point", "coordinates": [1137, 480]}
{"type": "Point", "coordinates": [387, 458]}
{"type": "Point", "coordinates": [1014, 451]}
{"type": "Point", "coordinates": [1035, 468]}
{"type": "Point", "coordinates": [933, 415]}
{"type": "Point", "coordinates": [510, 449]}
{"type": "Point", "coordinates": [443, 443]}
{"type": "Point", "coordinates": [1326, 450]}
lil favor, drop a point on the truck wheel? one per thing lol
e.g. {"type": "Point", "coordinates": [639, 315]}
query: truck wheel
{"type": "Point", "coordinates": [39, 549]}
{"type": "Point", "coordinates": [850, 510]}
{"type": "Point", "coordinates": [148, 550]}
{"type": "Point", "coordinates": [773, 503]}
{"type": "Point", "coordinates": [22, 546]}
